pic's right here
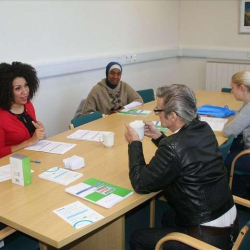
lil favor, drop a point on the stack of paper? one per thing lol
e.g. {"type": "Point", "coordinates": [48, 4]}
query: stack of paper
{"type": "Point", "coordinates": [99, 192]}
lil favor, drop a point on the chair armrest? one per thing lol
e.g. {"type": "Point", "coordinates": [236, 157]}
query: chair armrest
{"type": "Point", "coordinates": [6, 232]}
{"type": "Point", "coordinates": [241, 201]}
{"type": "Point", "coordinates": [240, 237]}
{"type": "Point", "coordinates": [244, 152]}
{"type": "Point", "coordinates": [186, 239]}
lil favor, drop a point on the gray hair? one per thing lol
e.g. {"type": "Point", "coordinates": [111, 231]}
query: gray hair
{"type": "Point", "coordinates": [178, 99]}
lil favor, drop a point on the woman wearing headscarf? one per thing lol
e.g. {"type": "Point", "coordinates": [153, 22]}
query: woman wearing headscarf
{"type": "Point", "coordinates": [110, 94]}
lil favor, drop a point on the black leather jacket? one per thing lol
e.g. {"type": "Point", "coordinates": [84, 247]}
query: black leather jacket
{"type": "Point", "coordinates": [188, 167]}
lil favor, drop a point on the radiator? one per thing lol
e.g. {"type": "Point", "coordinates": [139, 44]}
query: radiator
{"type": "Point", "coordinates": [219, 74]}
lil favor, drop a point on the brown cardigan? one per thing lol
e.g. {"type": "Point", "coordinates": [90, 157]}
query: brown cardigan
{"type": "Point", "coordinates": [104, 99]}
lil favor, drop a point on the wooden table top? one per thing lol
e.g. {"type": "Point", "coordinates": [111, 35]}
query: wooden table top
{"type": "Point", "coordinates": [30, 209]}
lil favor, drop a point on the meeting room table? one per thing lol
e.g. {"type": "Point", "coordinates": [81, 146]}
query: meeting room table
{"type": "Point", "coordinates": [29, 209]}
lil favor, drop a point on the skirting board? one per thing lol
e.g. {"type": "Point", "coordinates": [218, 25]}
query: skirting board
{"type": "Point", "coordinates": [78, 65]}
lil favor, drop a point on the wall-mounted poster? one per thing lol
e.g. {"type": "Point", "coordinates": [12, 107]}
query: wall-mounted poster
{"type": "Point", "coordinates": [244, 16]}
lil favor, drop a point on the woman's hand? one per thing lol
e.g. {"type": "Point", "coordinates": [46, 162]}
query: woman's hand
{"type": "Point", "coordinates": [38, 125]}
{"type": "Point", "coordinates": [151, 131]}
{"type": "Point", "coordinates": [38, 134]}
{"type": "Point", "coordinates": [131, 134]}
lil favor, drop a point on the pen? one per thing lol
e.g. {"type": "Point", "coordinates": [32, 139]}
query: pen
{"type": "Point", "coordinates": [36, 162]}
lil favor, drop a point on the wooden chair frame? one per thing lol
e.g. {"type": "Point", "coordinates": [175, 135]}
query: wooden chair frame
{"type": "Point", "coordinates": [244, 152]}
{"type": "Point", "coordinates": [200, 245]}
{"type": "Point", "coordinates": [6, 232]}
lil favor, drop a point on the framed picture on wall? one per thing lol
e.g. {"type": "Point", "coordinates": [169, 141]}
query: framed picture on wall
{"type": "Point", "coordinates": [244, 16]}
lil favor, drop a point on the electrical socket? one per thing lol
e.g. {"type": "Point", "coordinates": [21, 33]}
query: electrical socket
{"type": "Point", "coordinates": [134, 58]}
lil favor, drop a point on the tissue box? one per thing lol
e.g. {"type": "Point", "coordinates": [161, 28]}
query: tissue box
{"type": "Point", "coordinates": [20, 169]}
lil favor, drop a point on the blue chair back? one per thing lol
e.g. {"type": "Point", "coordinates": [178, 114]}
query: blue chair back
{"type": "Point", "coordinates": [86, 118]}
{"type": "Point", "coordinates": [147, 95]}
{"type": "Point", "coordinates": [227, 90]}
{"type": "Point", "coordinates": [224, 148]}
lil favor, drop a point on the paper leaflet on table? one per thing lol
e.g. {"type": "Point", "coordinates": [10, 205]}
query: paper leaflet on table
{"type": "Point", "coordinates": [138, 112]}
{"type": "Point", "coordinates": [132, 105]}
{"type": "Point", "coordinates": [51, 147]}
{"type": "Point", "coordinates": [99, 192]}
{"type": "Point", "coordinates": [86, 135]}
{"type": "Point", "coordinates": [78, 215]}
{"type": "Point", "coordinates": [216, 124]}
{"type": "Point", "coordinates": [60, 175]}
{"type": "Point", "coordinates": [5, 173]}
{"type": "Point", "coordinates": [158, 125]}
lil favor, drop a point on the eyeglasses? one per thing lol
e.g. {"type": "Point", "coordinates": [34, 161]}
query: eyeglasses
{"type": "Point", "coordinates": [157, 111]}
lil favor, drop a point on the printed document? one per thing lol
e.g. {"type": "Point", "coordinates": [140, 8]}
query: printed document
{"type": "Point", "coordinates": [5, 173]}
{"type": "Point", "coordinates": [51, 147]}
{"type": "Point", "coordinates": [132, 105]}
{"type": "Point", "coordinates": [60, 175]}
{"type": "Point", "coordinates": [216, 124]}
{"type": "Point", "coordinates": [86, 135]}
{"type": "Point", "coordinates": [138, 112]}
{"type": "Point", "coordinates": [99, 192]}
{"type": "Point", "coordinates": [159, 127]}
{"type": "Point", "coordinates": [78, 215]}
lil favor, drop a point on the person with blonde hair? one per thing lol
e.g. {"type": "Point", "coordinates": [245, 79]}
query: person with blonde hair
{"type": "Point", "coordinates": [239, 126]}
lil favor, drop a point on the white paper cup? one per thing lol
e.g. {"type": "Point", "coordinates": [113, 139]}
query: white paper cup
{"type": "Point", "coordinates": [107, 139]}
{"type": "Point", "coordinates": [138, 126]}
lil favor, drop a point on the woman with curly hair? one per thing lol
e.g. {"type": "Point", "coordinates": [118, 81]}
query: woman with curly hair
{"type": "Point", "coordinates": [18, 125]}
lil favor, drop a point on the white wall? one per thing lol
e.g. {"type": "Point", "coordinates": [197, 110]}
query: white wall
{"type": "Point", "coordinates": [208, 25]}
{"type": "Point", "coordinates": [58, 32]}
{"type": "Point", "coordinates": [58, 97]}
{"type": "Point", "coordinates": [45, 31]}
{"type": "Point", "coordinates": [56, 35]}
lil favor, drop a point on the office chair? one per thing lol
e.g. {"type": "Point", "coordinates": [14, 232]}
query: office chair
{"type": "Point", "coordinates": [85, 119]}
{"type": "Point", "coordinates": [242, 241]}
{"type": "Point", "coordinates": [147, 95]}
{"type": "Point", "coordinates": [79, 109]}
{"type": "Point", "coordinates": [227, 90]}
{"type": "Point", "coordinates": [17, 240]}
{"type": "Point", "coordinates": [225, 147]}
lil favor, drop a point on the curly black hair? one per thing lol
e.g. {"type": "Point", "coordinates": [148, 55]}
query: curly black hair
{"type": "Point", "coordinates": [8, 73]}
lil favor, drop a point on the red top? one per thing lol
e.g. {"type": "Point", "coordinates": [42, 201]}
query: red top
{"type": "Point", "coordinates": [12, 130]}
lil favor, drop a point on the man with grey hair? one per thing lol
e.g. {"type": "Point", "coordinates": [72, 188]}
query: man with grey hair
{"type": "Point", "coordinates": [188, 167]}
